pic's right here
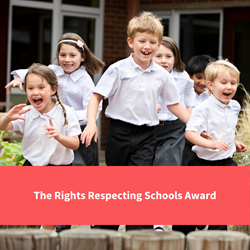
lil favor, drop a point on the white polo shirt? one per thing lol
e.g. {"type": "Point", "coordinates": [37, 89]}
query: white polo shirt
{"type": "Point", "coordinates": [74, 90]}
{"type": "Point", "coordinates": [133, 92]}
{"type": "Point", "coordinates": [218, 120]}
{"type": "Point", "coordinates": [185, 87]}
{"type": "Point", "coordinates": [37, 148]}
{"type": "Point", "coordinates": [201, 97]}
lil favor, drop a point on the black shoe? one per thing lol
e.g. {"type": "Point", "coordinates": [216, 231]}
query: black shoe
{"type": "Point", "coordinates": [201, 227]}
{"type": "Point", "coordinates": [60, 228]}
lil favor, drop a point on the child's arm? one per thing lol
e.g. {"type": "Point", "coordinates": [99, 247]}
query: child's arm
{"type": "Point", "coordinates": [15, 82]}
{"type": "Point", "coordinates": [179, 111]}
{"type": "Point", "coordinates": [71, 142]}
{"type": "Point", "coordinates": [240, 147]}
{"type": "Point", "coordinates": [14, 114]}
{"type": "Point", "coordinates": [91, 128]}
{"type": "Point", "coordinates": [196, 139]}
{"type": "Point", "coordinates": [189, 109]}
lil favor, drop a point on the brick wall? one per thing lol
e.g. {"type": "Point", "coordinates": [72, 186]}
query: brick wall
{"type": "Point", "coordinates": [115, 44]}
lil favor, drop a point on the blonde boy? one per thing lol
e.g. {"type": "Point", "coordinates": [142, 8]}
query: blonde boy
{"type": "Point", "coordinates": [218, 116]}
{"type": "Point", "coordinates": [133, 86]}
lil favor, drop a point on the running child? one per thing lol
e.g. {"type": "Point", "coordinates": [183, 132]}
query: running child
{"type": "Point", "coordinates": [50, 128]}
{"type": "Point", "coordinates": [217, 112]}
{"type": "Point", "coordinates": [170, 133]}
{"type": "Point", "coordinates": [133, 86]}
{"type": "Point", "coordinates": [74, 60]}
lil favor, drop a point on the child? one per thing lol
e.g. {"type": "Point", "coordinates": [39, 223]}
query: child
{"type": "Point", "coordinates": [218, 111]}
{"type": "Point", "coordinates": [76, 86]}
{"type": "Point", "coordinates": [170, 133]}
{"type": "Point", "coordinates": [133, 86]}
{"type": "Point", "coordinates": [50, 129]}
{"type": "Point", "coordinates": [196, 70]}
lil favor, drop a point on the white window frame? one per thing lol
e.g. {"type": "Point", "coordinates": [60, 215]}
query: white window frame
{"type": "Point", "coordinates": [58, 10]}
{"type": "Point", "coordinates": [174, 22]}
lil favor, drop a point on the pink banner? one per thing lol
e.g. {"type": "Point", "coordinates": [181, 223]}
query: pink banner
{"type": "Point", "coordinates": [125, 195]}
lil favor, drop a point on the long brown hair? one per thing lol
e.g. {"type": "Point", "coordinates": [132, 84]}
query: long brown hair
{"type": "Point", "coordinates": [172, 45]}
{"type": "Point", "coordinates": [91, 62]}
{"type": "Point", "coordinates": [47, 74]}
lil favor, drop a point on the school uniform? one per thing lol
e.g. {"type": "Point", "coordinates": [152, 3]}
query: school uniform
{"type": "Point", "coordinates": [37, 148]}
{"type": "Point", "coordinates": [133, 94]}
{"type": "Point", "coordinates": [219, 121]}
{"type": "Point", "coordinates": [187, 152]}
{"type": "Point", "coordinates": [170, 133]}
{"type": "Point", "coordinates": [75, 90]}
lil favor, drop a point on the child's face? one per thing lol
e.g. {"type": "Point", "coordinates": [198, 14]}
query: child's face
{"type": "Point", "coordinates": [69, 58]}
{"type": "Point", "coordinates": [145, 46]}
{"type": "Point", "coordinates": [39, 93]}
{"type": "Point", "coordinates": [223, 87]}
{"type": "Point", "coordinates": [199, 82]}
{"type": "Point", "coordinates": [165, 58]}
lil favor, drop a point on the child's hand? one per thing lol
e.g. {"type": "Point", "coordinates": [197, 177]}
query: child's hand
{"type": "Point", "coordinates": [205, 135]}
{"type": "Point", "coordinates": [219, 144]}
{"type": "Point", "coordinates": [240, 147]}
{"type": "Point", "coordinates": [88, 133]}
{"type": "Point", "coordinates": [52, 131]}
{"type": "Point", "coordinates": [16, 112]}
{"type": "Point", "coordinates": [16, 82]}
{"type": "Point", "coordinates": [158, 108]}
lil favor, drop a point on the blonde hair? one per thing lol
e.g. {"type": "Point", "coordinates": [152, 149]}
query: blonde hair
{"type": "Point", "coordinates": [145, 22]}
{"type": "Point", "coordinates": [170, 43]}
{"type": "Point", "coordinates": [91, 62]}
{"type": "Point", "coordinates": [219, 67]}
{"type": "Point", "coordinates": [47, 74]}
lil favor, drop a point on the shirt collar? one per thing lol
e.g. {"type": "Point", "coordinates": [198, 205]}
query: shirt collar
{"type": "Point", "coordinates": [152, 66]}
{"type": "Point", "coordinates": [75, 76]}
{"type": "Point", "coordinates": [219, 103]}
{"type": "Point", "coordinates": [52, 113]}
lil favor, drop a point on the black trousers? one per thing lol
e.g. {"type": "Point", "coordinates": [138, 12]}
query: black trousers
{"type": "Point", "coordinates": [86, 156]}
{"type": "Point", "coordinates": [27, 163]}
{"type": "Point", "coordinates": [129, 145]}
{"type": "Point", "coordinates": [170, 142]}
{"type": "Point", "coordinates": [196, 161]}
{"type": "Point", "coordinates": [128, 227]}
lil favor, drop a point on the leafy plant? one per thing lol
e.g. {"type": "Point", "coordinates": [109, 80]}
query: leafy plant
{"type": "Point", "coordinates": [243, 131]}
{"type": "Point", "coordinates": [12, 154]}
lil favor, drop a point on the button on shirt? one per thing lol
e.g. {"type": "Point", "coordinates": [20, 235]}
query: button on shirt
{"type": "Point", "coordinates": [37, 148]}
{"type": "Point", "coordinates": [218, 120]}
{"type": "Point", "coordinates": [133, 92]}
{"type": "Point", "coordinates": [185, 87]}
{"type": "Point", "coordinates": [74, 90]}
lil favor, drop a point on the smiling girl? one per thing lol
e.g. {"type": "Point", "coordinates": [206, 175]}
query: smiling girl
{"type": "Point", "coordinates": [74, 60]}
{"type": "Point", "coordinates": [49, 128]}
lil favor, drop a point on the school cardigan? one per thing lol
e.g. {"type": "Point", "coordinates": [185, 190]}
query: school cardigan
{"type": "Point", "coordinates": [133, 92]}
{"type": "Point", "coordinates": [37, 148]}
{"type": "Point", "coordinates": [218, 120]}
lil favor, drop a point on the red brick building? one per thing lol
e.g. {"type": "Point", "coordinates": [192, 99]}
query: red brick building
{"type": "Point", "coordinates": [30, 30]}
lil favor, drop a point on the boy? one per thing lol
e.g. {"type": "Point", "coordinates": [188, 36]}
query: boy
{"type": "Point", "coordinates": [218, 116]}
{"type": "Point", "coordinates": [196, 70]}
{"type": "Point", "coordinates": [133, 86]}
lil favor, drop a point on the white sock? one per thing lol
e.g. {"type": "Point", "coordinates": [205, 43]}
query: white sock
{"type": "Point", "coordinates": [158, 228]}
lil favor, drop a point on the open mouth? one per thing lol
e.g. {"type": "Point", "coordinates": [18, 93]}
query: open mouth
{"type": "Point", "coordinates": [165, 67]}
{"type": "Point", "coordinates": [227, 94]}
{"type": "Point", "coordinates": [146, 53]}
{"type": "Point", "coordinates": [38, 101]}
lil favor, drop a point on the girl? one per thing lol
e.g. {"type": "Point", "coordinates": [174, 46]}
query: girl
{"type": "Point", "coordinates": [50, 129]}
{"type": "Point", "coordinates": [76, 86]}
{"type": "Point", "coordinates": [170, 133]}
